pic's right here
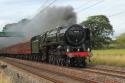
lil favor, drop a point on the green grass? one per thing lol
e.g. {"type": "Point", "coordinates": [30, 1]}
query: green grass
{"type": "Point", "coordinates": [109, 52]}
{"type": "Point", "coordinates": [113, 57]}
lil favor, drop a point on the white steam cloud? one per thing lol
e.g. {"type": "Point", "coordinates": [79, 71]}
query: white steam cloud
{"type": "Point", "coordinates": [42, 22]}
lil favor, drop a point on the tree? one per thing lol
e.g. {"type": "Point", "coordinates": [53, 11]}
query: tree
{"type": "Point", "coordinates": [120, 40]}
{"type": "Point", "coordinates": [101, 30]}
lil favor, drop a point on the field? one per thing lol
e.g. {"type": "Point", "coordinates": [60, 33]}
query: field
{"type": "Point", "coordinates": [113, 57]}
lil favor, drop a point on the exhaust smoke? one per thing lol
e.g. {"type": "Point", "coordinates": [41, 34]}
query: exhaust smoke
{"type": "Point", "coordinates": [42, 22]}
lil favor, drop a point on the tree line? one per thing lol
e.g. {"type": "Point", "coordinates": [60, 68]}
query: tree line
{"type": "Point", "coordinates": [102, 32]}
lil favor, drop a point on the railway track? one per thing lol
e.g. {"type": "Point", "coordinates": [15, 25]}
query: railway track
{"type": "Point", "coordinates": [74, 75]}
{"type": "Point", "coordinates": [103, 71]}
{"type": "Point", "coordinates": [48, 73]}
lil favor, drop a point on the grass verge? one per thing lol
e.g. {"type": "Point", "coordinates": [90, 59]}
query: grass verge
{"type": "Point", "coordinates": [113, 57]}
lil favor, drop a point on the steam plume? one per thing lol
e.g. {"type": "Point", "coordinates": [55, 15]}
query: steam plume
{"type": "Point", "coordinates": [42, 22]}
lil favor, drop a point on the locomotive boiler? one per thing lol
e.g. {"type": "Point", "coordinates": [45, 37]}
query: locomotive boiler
{"type": "Point", "coordinates": [64, 45]}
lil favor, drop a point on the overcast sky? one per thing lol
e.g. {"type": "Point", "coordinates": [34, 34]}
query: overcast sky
{"type": "Point", "coordinates": [15, 10]}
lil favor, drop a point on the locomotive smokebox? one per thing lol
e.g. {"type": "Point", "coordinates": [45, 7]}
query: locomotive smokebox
{"type": "Point", "coordinates": [75, 35]}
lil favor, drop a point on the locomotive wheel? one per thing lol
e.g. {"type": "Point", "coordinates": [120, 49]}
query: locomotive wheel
{"type": "Point", "coordinates": [51, 59]}
{"type": "Point", "coordinates": [34, 57]}
{"type": "Point", "coordinates": [79, 61]}
{"type": "Point", "coordinates": [59, 61]}
{"type": "Point", "coordinates": [68, 62]}
{"type": "Point", "coordinates": [82, 62]}
{"type": "Point", "coordinates": [43, 57]}
{"type": "Point", "coordinates": [62, 62]}
{"type": "Point", "coordinates": [38, 58]}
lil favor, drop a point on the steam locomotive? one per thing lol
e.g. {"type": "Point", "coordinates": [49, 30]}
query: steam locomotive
{"type": "Point", "coordinates": [69, 46]}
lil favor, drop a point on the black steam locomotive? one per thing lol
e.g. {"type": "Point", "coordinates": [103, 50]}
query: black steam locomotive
{"type": "Point", "coordinates": [68, 46]}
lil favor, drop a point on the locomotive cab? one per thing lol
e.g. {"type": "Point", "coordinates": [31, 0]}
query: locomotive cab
{"type": "Point", "coordinates": [35, 45]}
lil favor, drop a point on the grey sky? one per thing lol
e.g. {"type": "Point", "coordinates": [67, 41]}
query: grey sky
{"type": "Point", "coordinates": [15, 10]}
